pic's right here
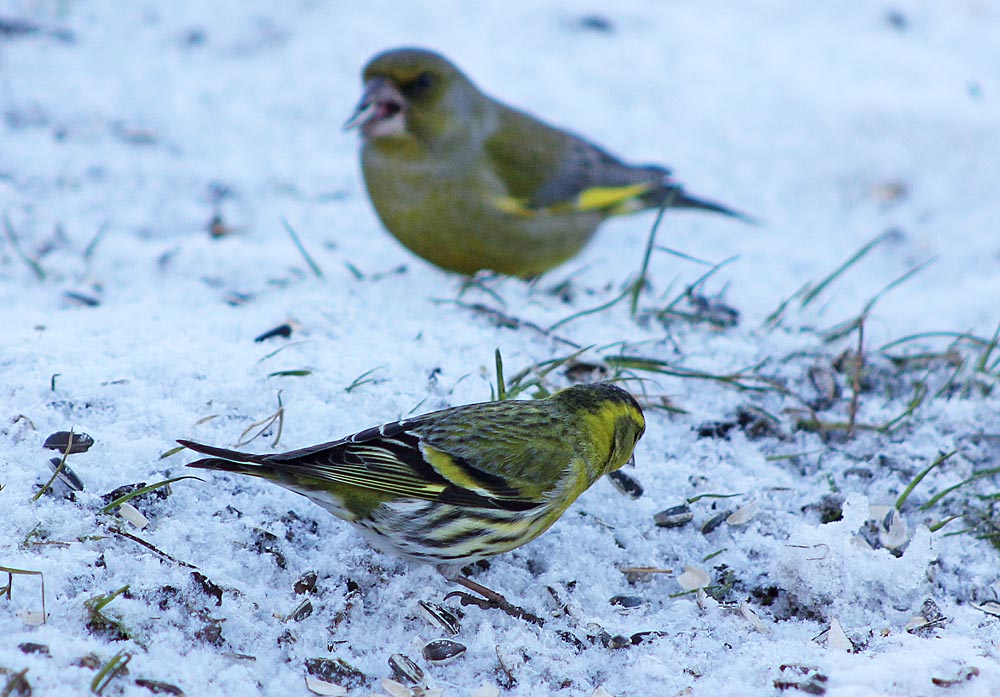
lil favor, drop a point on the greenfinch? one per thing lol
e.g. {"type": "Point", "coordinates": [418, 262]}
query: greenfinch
{"type": "Point", "coordinates": [459, 485]}
{"type": "Point", "coordinates": [469, 183]}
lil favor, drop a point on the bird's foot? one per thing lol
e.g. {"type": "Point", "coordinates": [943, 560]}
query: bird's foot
{"type": "Point", "coordinates": [490, 600]}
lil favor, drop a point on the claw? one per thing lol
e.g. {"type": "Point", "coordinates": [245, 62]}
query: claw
{"type": "Point", "coordinates": [491, 600]}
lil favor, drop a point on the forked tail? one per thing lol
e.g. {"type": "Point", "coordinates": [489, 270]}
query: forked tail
{"type": "Point", "coordinates": [228, 460]}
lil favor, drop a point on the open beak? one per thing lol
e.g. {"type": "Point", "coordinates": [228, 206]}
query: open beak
{"type": "Point", "coordinates": [381, 111]}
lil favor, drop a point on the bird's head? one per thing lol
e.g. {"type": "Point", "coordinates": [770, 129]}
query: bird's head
{"type": "Point", "coordinates": [411, 92]}
{"type": "Point", "coordinates": [611, 417]}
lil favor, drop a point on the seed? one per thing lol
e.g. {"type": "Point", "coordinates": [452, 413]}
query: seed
{"type": "Point", "coordinates": [437, 615]}
{"type": "Point", "coordinates": [405, 670]}
{"type": "Point", "coordinates": [714, 522]}
{"type": "Point", "coordinates": [674, 517]}
{"type": "Point", "coordinates": [442, 651]}
{"type": "Point", "coordinates": [626, 484]}
{"type": "Point", "coordinates": [627, 602]}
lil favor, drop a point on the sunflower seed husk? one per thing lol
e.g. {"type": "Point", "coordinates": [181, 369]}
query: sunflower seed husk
{"type": "Point", "coordinates": [714, 522]}
{"type": "Point", "coordinates": [693, 578]}
{"type": "Point", "coordinates": [306, 583]}
{"type": "Point", "coordinates": [303, 611]}
{"type": "Point", "coordinates": [437, 615]}
{"type": "Point", "coordinates": [742, 515]}
{"type": "Point", "coordinates": [77, 442]}
{"type": "Point", "coordinates": [405, 670]}
{"type": "Point", "coordinates": [336, 671]}
{"type": "Point", "coordinates": [990, 607]}
{"type": "Point", "coordinates": [674, 517]}
{"type": "Point", "coordinates": [395, 689]}
{"type": "Point", "coordinates": [66, 475]}
{"type": "Point", "coordinates": [627, 602]}
{"type": "Point", "coordinates": [132, 515]}
{"type": "Point", "coordinates": [626, 484]}
{"type": "Point", "coordinates": [442, 651]}
{"type": "Point", "coordinates": [322, 687]}
{"type": "Point", "coordinates": [837, 638]}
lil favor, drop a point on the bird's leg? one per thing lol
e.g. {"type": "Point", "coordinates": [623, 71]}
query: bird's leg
{"type": "Point", "coordinates": [490, 599]}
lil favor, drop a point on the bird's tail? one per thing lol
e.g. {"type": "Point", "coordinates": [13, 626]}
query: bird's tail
{"type": "Point", "coordinates": [674, 196]}
{"type": "Point", "coordinates": [230, 460]}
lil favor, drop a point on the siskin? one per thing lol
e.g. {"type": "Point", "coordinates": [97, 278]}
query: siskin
{"type": "Point", "coordinates": [469, 183]}
{"type": "Point", "coordinates": [455, 486]}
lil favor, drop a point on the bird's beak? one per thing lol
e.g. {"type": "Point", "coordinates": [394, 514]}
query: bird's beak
{"type": "Point", "coordinates": [381, 111]}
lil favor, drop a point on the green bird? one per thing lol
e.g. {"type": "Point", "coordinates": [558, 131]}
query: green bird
{"type": "Point", "coordinates": [469, 183]}
{"type": "Point", "coordinates": [455, 486]}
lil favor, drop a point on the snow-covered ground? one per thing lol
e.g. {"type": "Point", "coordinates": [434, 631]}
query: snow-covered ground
{"type": "Point", "coordinates": [127, 126]}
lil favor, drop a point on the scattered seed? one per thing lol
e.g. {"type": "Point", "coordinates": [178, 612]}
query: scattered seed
{"type": "Point", "coordinates": [693, 578]}
{"type": "Point", "coordinates": [754, 618]}
{"type": "Point", "coordinates": [81, 442]}
{"type": "Point", "coordinates": [395, 689]}
{"type": "Point", "coordinates": [640, 637]}
{"type": "Point", "coordinates": [714, 522]}
{"type": "Point", "coordinates": [485, 691]}
{"type": "Point", "coordinates": [31, 647]}
{"type": "Point", "coordinates": [160, 688]}
{"type": "Point", "coordinates": [321, 687]}
{"type": "Point", "coordinates": [438, 616]}
{"type": "Point", "coordinates": [627, 602]}
{"type": "Point", "coordinates": [67, 476]}
{"type": "Point", "coordinates": [743, 514]}
{"type": "Point", "coordinates": [990, 607]}
{"type": "Point", "coordinates": [892, 531]}
{"type": "Point", "coordinates": [626, 484]}
{"type": "Point", "coordinates": [836, 637]}
{"type": "Point", "coordinates": [337, 672]}
{"type": "Point", "coordinates": [306, 583]}
{"type": "Point", "coordinates": [132, 515]}
{"type": "Point", "coordinates": [674, 517]}
{"type": "Point", "coordinates": [441, 651]}
{"type": "Point", "coordinates": [600, 692]}
{"type": "Point", "coordinates": [405, 670]}
{"type": "Point", "coordinates": [282, 330]}
{"type": "Point", "coordinates": [304, 610]}
{"type": "Point", "coordinates": [619, 642]}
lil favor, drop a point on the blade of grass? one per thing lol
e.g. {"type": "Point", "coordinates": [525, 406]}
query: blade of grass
{"type": "Point", "coordinates": [11, 572]}
{"type": "Point", "coordinates": [501, 389]}
{"type": "Point", "coordinates": [916, 480]}
{"type": "Point", "coordinates": [811, 294]}
{"type": "Point", "coordinates": [59, 468]}
{"type": "Point", "coordinates": [642, 281]}
{"type": "Point", "coordinates": [16, 244]}
{"type": "Point", "coordinates": [302, 250]}
{"type": "Point", "coordinates": [144, 490]}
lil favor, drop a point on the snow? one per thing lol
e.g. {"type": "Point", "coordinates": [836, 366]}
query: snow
{"type": "Point", "coordinates": [127, 126]}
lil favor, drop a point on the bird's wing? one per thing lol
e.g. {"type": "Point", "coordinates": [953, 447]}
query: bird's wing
{"type": "Point", "coordinates": [544, 168]}
{"type": "Point", "coordinates": [397, 460]}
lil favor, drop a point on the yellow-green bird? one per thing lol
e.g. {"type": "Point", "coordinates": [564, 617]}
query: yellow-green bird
{"type": "Point", "coordinates": [455, 486]}
{"type": "Point", "coordinates": [469, 183]}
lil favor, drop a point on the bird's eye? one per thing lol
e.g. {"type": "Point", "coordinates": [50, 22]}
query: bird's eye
{"type": "Point", "coordinates": [418, 86]}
